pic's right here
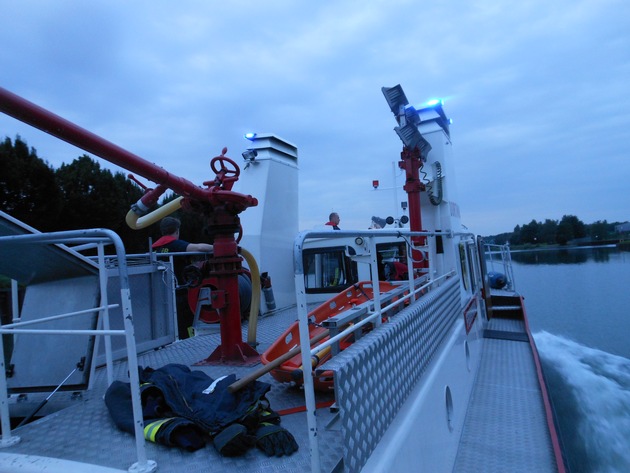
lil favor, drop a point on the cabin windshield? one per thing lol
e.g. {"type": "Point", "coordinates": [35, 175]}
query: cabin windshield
{"type": "Point", "coordinates": [328, 269]}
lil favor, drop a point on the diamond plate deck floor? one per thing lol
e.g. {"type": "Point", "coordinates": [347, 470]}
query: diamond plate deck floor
{"type": "Point", "coordinates": [505, 426]}
{"type": "Point", "coordinates": [86, 433]}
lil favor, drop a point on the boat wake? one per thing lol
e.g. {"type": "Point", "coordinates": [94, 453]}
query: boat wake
{"type": "Point", "coordinates": [590, 391]}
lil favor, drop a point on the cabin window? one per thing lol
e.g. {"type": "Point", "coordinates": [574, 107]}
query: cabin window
{"type": "Point", "coordinates": [464, 263]}
{"type": "Point", "coordinates": [328, 270]}
{"type": "Point", "coordinates": [392, 261]}
{"type": "Point", "coordinates": [470, 268]}
{"type": "Point", "coordinates": [473, 263]}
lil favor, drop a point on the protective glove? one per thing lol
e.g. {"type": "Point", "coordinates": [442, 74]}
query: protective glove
{"type": "Point", "coordinates": [233, 441]}
{"type": "Point", "coordinates": [258, 414]}
{"type": "Point", "coordinates": [275, 440]}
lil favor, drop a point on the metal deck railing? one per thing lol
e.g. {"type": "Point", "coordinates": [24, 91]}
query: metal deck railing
{"type": "Point", "coordinates": [415, 287]}
{"type": "Point", "coordinates": [99, 238]}
{"type": "Point", "coordinates": [499, 259]}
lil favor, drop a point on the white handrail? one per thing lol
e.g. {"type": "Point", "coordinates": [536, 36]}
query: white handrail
{"type": "Point", "coordinates": [143, 465]}
{"type": "Point", "coordinates": [57, 317]}
{"type": "Point", "coordinates": [374, 315]}
{"type": "Point", "coordinates": [302, 311]}
{"type": "Point", "coordinates": [506, 261]}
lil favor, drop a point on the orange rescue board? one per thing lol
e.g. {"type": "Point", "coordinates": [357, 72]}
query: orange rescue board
{"type": "Point", "coordinates": [347, 299]}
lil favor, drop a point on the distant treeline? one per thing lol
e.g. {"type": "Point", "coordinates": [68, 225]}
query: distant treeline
{"type": "Point", "coordinates": [558, 232]}
{"type": "Point", "coordinates": [74, 196]}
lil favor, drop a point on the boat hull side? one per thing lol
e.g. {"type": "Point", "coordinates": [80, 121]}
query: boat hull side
{"type": "Point", "coordinates": [424, 436]}
{"type": "Point", "coordinates": [375, 376]}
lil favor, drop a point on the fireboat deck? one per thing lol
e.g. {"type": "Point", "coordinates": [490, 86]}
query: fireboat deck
{"type": "Point", "coordinates": [85, 432]}
{"type": "Point", "coordinates": [504, 428]}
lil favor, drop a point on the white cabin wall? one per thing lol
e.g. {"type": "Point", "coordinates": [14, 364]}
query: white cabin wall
{"type": "Point", "coordinates": [445, 216]}
{"type": "Point", "coordinates": [269, 229]}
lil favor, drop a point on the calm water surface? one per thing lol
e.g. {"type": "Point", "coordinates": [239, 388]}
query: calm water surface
{"type": "Point", "coordinates": [578, 305]}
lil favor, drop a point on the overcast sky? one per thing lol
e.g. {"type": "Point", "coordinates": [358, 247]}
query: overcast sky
{"type": "Point", "coordinates": [538, 91]}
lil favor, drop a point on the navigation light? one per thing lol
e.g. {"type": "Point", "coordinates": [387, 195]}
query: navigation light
{"type": "Point", "coordinates": [250, 136]}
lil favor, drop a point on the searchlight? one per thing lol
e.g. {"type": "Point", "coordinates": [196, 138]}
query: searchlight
{"type": "Point", "coordinates": [408, 120]}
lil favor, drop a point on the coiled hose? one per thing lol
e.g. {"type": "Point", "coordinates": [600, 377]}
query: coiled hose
{"type": "Point", "coordinates": [438, 180]}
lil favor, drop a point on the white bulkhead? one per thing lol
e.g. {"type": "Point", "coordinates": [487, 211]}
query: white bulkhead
{"type": "Point", "coordinates": [270, 173]}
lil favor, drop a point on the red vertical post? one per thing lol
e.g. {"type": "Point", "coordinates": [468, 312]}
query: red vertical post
{"type": "Point", "coordinates": [411, 162]}
{"type": "Point", "coordinates": [225, 266]}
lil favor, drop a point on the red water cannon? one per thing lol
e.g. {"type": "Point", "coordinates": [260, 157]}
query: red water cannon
{"type": "Point", "coordinates": [216, 203]}
{"type": "Point", "coordinates": [222, 269]}
{"type": "Point", "coordinates": [149, 199]}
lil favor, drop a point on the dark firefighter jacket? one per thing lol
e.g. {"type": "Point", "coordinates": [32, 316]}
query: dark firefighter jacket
{"type": "Point", "coordinates": [181, 407]}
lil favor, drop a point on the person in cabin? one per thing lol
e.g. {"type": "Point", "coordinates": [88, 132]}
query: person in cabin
{"type": "Point", "coordinates": [170, 241]}
{"type": "Point", "coordinates": [333, 221]}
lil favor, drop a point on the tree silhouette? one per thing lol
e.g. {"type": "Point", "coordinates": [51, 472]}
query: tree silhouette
{"type": "Point", "coordinates": [547, 232]}
{"type": "Point", "coordinates": [529, 232]}
{"type": "Point", "coordinates": [600, 230]}
{"type": "Point", "coordinates": [28, 190]}
{"type": "Point", "coordinates": [561, 232]}
{"type": "Point", "coordinates": [569, 228]}
{"type": "Point", "coordinates": [96, 198]}
{"type": "Point", "coordinates": [77, 195]}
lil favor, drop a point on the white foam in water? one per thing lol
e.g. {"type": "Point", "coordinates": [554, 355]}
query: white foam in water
{"type": "Point", "coordinates": [600, 383]}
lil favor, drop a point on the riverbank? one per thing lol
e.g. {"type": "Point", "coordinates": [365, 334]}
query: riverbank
{"type": "Point", "coordinates": [572, 245]}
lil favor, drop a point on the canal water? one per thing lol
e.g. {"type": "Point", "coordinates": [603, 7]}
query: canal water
{"type": "Point", "coordinates": [578, 305]}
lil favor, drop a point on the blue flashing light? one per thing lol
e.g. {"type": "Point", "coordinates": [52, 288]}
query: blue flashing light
{"type": "Point", "coordinates": [250, 136]}
{"type": "Point", "coordinates": [434, 102]}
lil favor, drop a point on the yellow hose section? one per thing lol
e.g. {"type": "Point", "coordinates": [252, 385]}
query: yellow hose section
{"type": "Point", "coordinates": [255, 304]}
{"type": "Point", "coordinates": [149, 219]}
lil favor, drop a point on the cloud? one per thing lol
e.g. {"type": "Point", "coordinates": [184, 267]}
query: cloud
{"type": "Point", "coordinates": [537, 92]}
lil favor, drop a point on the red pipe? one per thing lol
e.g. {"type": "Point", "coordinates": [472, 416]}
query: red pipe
{"type": "Point", "coordinates": [38, 117]}
{"type": "Point", "coordinates": [411, 162]}
{"type": "Point", "coordinates": [225, 266]}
